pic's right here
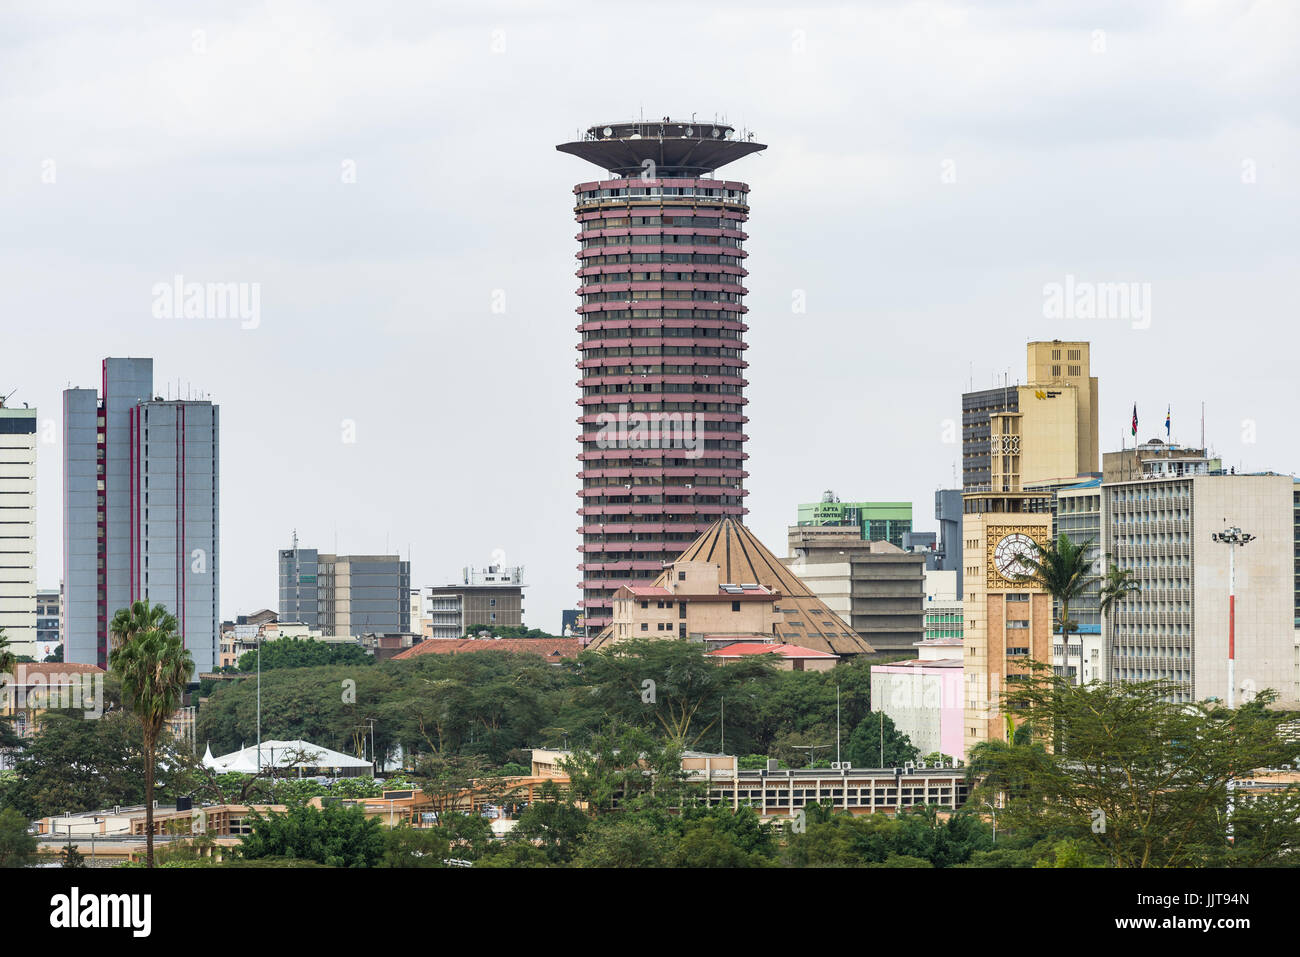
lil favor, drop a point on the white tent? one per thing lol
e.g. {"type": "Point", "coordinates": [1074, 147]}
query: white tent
{"type": "Point", "coordinates": [285, 754]}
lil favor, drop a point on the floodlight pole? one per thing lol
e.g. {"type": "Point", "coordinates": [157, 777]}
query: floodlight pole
{"type": "Point", "coordinates": [259, 700]}
{"type": "Point", "coordinates": [1232, 537]}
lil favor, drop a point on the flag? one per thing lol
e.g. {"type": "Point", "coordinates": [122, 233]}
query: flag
{"type": "Point", "coordinates": [1167, 411]}
{"type": "Point", "coordinates": [1135, 418]}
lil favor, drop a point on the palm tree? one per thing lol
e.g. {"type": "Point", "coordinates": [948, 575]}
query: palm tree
{"type": "Point", "coordinates": [8, 660]}
{"type": "Point", "coordinates": [1118, 584]}
{"type": "Point", "coordinates": [1063, 570]}
{"type": "Point", "coordinates": [141, 616]}
{"type": "Point", "coordinates": [154, 667]}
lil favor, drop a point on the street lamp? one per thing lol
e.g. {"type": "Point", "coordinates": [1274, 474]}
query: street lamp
{"type": "Point", "coordinates": [1232, 537]}
{"type": "Point", "coordinates": [995, 820]}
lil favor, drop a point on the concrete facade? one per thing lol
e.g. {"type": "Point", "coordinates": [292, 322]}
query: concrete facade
{"type": "Point", "coordinates": [661, 321]}
{"type": "Point", "coordinates": [485, 598]}
{"type": "Point", "coordinates": [18, 529]}
{"type": "Point", "coordinates": [1176, 626]}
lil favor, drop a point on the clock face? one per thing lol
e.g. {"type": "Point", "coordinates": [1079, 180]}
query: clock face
{"type": "Point", "coordinates": [1007, 555]}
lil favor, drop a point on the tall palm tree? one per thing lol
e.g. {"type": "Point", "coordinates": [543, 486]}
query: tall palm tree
{"type": "Point", "coordinates": [155, 668]}
{"type": "Point", "coordinates": [1063, 570]}
{"type": "Point", "coordinates": [141, 616]}
{"type": "Point", "coordinates": [8, 660]}
{"type": "Point", "coordinates": [1118, 584]}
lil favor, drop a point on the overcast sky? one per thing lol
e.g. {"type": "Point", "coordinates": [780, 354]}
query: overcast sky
{"type": "Point", "coordinates": [930, 168]}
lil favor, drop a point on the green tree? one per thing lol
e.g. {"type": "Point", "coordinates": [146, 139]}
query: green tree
{"type": "Point", "coordinates": [303, 653]}
{"type": "Point", "coordinates": [864, 745]}
{"type": "Point", "coordinates": [336, 835]}
{"type": "Point", "coordinates": [1140, 779]}
{"type": "Point", "coordinates": [1063, 570]}
{"type": "Point", "coordinates": [17, 845]}
{"type": "Point", "coordinates": [629, 768]}
{"type": "Point", "coordinates": [552, 823]}
{"type": "Point", "coordinates": [154, 667]}
{"type": "Point", "coordinates": [415, 847]}
{"type": "Point", "coordinates": [69, 856]}
{"type": "Point", "coordinates": [673, 687]}
{"type": "Point", "coordinates": [76, 764]}
{"type": "Point", "coordinates": [624, 840]}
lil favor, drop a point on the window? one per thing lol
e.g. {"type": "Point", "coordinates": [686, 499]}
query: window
{"type": "Point", "coordinates": [492, 602]}
{"type": "Point", "coordinates": [681, 576]}
{"type": "Point", "coordinates": [645, 626]}
{"type": "Point", "coordinates": [735, 606]}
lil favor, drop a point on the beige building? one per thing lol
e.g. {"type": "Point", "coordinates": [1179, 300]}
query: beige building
{"type": "Point", "coordinates": [485, 598]}
{"type": "Point", "coordinates": [694, 602]}
{"type": "Point", "coordinates": [1006, 623]}
{"type": "Point", "coordinates": [727, 583]}
{"type": "Point", "coordinates": [1064, 367]}
{"type": "Point", "coordinates": [1156, 459]}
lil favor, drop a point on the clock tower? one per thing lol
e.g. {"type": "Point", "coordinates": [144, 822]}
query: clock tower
{"type": "Point", "coordinates": [1007, 622]}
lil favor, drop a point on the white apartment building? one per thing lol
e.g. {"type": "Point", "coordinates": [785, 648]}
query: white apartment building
{"type": "Point", "coordinates": [1176, 626]}
{"type": "Point", "coordinates": [18, 528]}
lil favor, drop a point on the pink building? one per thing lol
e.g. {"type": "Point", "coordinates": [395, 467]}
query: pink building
{"type": "Point", "coordinates": [661, 351]}
{"type": "Point", "coordinates": [923, 697]}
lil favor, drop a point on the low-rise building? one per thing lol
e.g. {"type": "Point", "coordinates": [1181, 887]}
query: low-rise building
{"type": "Point", "coordinates": [729, 584]}
{"type": "Point", "coordinates": [554, 650]}
{"type": "Point", "coordinates": [791, 657]}
{"type": "Point", "coordinates": [485, 597]}
{"type": "Point", "coordinates": [924, 697]}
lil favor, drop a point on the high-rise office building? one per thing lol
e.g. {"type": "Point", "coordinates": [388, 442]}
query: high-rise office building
{"type": "Point", "coordinates": [342, 595]}
{"type": "Point", "coordinates": [661, 347]}
{"type": "Point", "coordinates": [18, 528]}
{"type": "Point", "coordinates": [1046, 429]}
{"type": "Point", "coordinates": [141, 511]}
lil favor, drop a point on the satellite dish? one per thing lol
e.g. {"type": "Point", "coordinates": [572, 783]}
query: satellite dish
{"type": "Point", "coordinates": [716, 134]}
{"type": "Point", "coordinates": [607, 131]}
{"type": "Point", "coordinates": [690, 131]}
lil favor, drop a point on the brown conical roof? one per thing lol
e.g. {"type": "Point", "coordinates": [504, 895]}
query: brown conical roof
{"type": "Point", "coordinates": [742, 558]}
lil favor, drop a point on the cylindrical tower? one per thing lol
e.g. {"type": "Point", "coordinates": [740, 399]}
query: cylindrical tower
{"type": "Point", "coordinates": [661, 351]}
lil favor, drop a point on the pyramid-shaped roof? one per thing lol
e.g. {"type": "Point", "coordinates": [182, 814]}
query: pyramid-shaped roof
{"type": "Point", "coordinates": [741, 557]}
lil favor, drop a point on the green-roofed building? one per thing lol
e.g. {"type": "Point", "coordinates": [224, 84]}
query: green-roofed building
{"type": "Point", "coordinates": [876, 521]}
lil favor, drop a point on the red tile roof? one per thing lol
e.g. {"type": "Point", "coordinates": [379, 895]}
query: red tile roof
{"type": "Point", "coordinates": [745, 648]}
{"type": "Point", "coordinates": [552, 649]}
{"type": "Point", "coordinates": [57, 668]}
